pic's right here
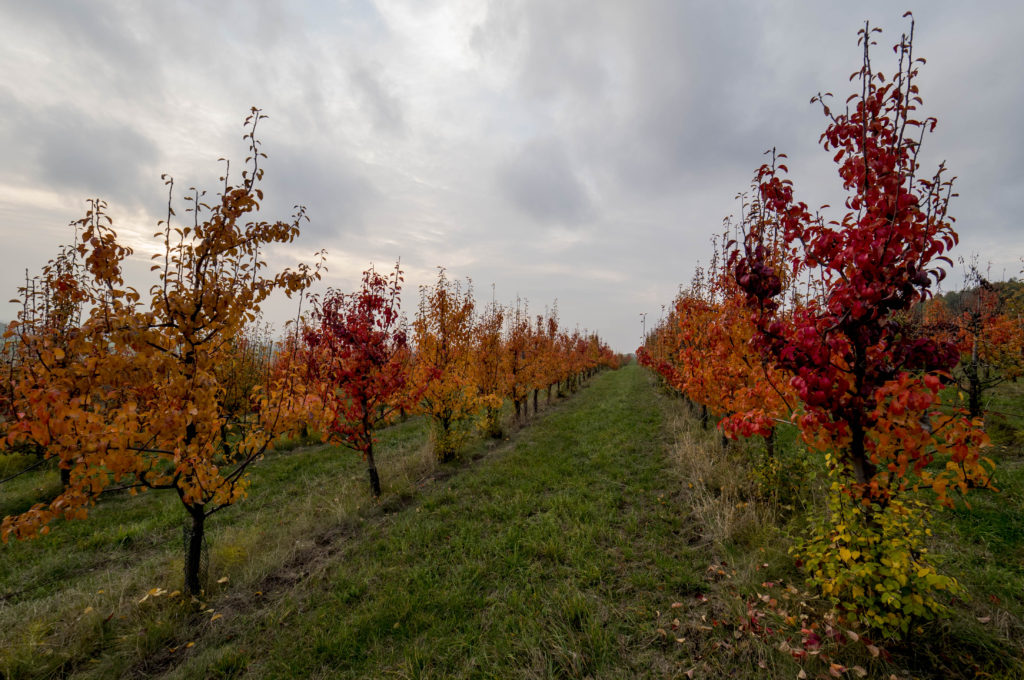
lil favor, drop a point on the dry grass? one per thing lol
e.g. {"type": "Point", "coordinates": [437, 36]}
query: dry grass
{"type": "Point", "coordinates": [746, 522]}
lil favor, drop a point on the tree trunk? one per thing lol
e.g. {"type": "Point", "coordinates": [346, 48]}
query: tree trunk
{"type": "Point", "coordinates": [65, 477]}
{"type": "Point", "coordinates": [491, 423]}
{"type": "Point", "coordinates": [225, 447]}
{"type": "Point", "coordinates": [194, 551]}
{"type": "Point", "coordinates": [371, 468]}
{"type": "Point", "coordinates": [863, 468]}
{"type": "Point", "coordinates": [974, 380]}
{"type": "Point", "coordinates": [769, 444]}
{"type": "Point", "coordinates": [535, 402]}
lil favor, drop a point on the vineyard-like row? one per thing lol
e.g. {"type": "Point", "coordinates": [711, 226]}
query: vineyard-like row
{"type": "Point", "coordinates": [183, 390]}
{"type": "Point", "coordinates": [830, 326]}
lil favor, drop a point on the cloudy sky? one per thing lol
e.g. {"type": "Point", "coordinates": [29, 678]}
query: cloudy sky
{"type": "Point", "coordinates": [578, 150]}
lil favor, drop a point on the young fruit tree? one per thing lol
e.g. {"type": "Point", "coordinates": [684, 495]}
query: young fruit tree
{"type": "Point", "coordinates": [988, 335]}
{"type": "Point", "coordinates": [868, 375]}
{"type": "Point", "coordinates": [358, 356]}
{"type": "Point", "coordinates": [144, 407]}
{"type": "Point", "coordinates": [849, 346]}
{"type": "Point", "coordinates": [46, 335]}
{"type": "Point", "coordinates": [444, 367]}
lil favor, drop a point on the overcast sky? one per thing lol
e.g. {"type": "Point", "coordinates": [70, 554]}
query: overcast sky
{"type": "Point", "coordinates": [578, 150]}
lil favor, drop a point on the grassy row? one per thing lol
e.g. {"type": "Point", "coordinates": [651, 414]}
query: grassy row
{"type": "Point", "coordinates": [99, 598]}
{"type": "Point", "coordinates": [612, 538]}
{"type": "Point", "coordinates": [549, 560]}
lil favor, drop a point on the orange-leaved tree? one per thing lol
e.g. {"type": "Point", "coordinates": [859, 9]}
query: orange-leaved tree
{"type": "Point", "coordinates": [491, 365]}
{"type": "Point", "coordinates": [45, 334]}
{"type": "Point", "coordinates": [990, 338]}
{"type": "Point", "coordinates": [143, 406]}
{"type": "Point", "coordinates": [443, 366]}
{"type": "Point", "coordinates": [517, 352]}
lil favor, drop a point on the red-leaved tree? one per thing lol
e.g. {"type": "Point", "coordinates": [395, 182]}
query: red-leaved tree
{"type": "Point", "coordinates": [359, 355]}
{"type": "Point", "coordinates": [849, 347]}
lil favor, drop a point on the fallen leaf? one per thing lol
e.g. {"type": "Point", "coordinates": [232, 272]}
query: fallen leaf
{"type": "Point", "coordinates": [215, 617]}
{"type": "Point", "coordinates": [984, 619]}
{"type": "Point", "coordinates": [222, 579]}
{"type": "Point", "coordinates": [860, 671]}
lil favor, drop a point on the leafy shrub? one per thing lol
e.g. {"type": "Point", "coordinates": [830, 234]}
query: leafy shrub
{"type": "Point", "coordinates": [872, 564]}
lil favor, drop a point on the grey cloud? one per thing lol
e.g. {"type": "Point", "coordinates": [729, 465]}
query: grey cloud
{"type": "Point", "coordinates": [540, 181]}
{"type": "Point", "coordinates": [643, 94]}
{"type": "Point", "coordinates": [384, 108]}
{"type": "Point", "coordinates": [553, 43]}
{"type": "Point", "coordinates": [97, 42]}
{"type": "Point", "coordinates": [66, 149]}
{"type": "Point", "coordinates": [336, 194]}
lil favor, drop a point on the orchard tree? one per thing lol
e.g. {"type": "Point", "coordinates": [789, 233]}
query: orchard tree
{"type": "Point", "coordinates": [517, 351]}
{"type": "Point", "coordinates": [48, 323]}
{"type": "Point", "coordinates": [358, 356]}
{"type": "Point", "coordinates": [549, 368]}
{"type": "Point", "coordinates": [143, 405]}
{"type": "Point", "coordinates": [846, 347]}
{"type": "Point", "coordinates": [989, 337]}
{"type": "Point", "coordinates": [444, 367]}
{"type": "Point", "coordinates": [867, 374]}
{"type": "Point", "coordinates": [491, 366]}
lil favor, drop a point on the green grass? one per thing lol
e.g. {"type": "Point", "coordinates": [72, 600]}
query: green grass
{"type": "Point", "coordinates": [69, 600]}
{"type": "Point", "coordinates": [549, 559]}
{"type": "Point", "coordinates": [612, 538]}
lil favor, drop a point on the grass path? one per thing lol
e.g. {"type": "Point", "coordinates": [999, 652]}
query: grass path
{"type": "Point", "coordinates": [547, 560]}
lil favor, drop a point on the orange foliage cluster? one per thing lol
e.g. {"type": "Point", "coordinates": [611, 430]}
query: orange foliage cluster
{"type": "Point", "coordinates": [703, 350]}
{"type": "Point", "coordinates": [468, 364]}
{"type": "Point", "coordinates": [183, 389]}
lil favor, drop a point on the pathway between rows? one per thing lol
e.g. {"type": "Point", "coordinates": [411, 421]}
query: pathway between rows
{"type": "Point", "coordinates": [549, 559]}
